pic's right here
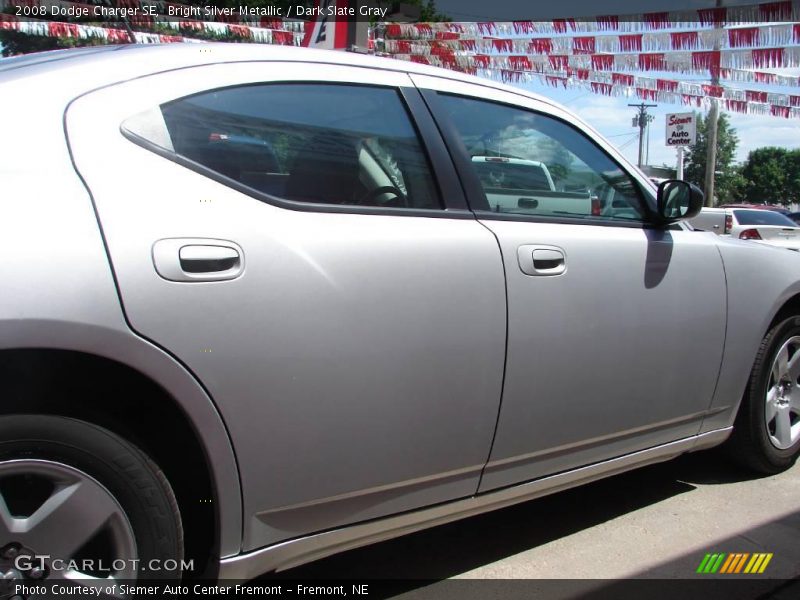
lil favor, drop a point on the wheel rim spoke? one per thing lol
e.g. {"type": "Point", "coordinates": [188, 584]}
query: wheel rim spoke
{"type": "Point", "coordinates": [772, 406]}
{"type": "Point", "coordinates": [781, 365]}
{"type": "Point", "coordinates": [99, 583]}
{"type": "Point", "coordinates": [76, 512]}
{"type": "Point", "coordinates": [7, 520]}
{"type": "Point", "coordinates": [793, 366]}
{"type": "Point", "coordinates": [783, 430]}
{"type": "Point", "coordinates": [782, 399]}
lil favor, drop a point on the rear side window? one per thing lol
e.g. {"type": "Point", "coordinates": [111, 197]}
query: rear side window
{"type": "Point", "coordinates": [762, 217]}
{"type": "Point", "coordinates": [310, 143]}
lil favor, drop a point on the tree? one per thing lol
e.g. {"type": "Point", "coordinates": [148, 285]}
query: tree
{"type": "Point", "coordinates": [14, 43]}
{"type": "Point", "coordinates": [428, 10]}
{"type": "Point", "coordinates": [726, 180]}
{"type": "Point", "coordinates": [772, 175]}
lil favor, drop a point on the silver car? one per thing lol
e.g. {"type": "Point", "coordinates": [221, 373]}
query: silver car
{"type": "Point", "coordinates": [256, 309]}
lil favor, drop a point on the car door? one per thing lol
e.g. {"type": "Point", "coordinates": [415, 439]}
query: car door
{"type": "Point", "coordinates": [289, 233]}
{"type": "Point", "coordinates": [615, 327]}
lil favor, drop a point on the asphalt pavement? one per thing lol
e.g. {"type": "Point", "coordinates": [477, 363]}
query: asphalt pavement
{"type": "Point", "coordinates": [658, 522]}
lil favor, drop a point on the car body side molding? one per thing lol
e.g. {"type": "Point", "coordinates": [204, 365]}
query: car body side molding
{"type": "Point", "coordinates": [302, 550]}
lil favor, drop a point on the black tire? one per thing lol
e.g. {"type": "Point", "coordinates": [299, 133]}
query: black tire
{"type": "Point", "coordinates": [750, 443]}
{"type": "Point", "coordinates": [132, 479]}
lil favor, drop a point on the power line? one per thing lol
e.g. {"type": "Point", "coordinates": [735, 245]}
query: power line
{"type": "Point", "coordinates": [578, 97]}
{"type": "Point", "coordinates": [628, 143]}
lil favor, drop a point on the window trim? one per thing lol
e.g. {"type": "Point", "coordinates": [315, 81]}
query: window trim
{"type": "Point", "coordinates": [476, 195]}
{"type": "Point", "coordinates": [445, 178]}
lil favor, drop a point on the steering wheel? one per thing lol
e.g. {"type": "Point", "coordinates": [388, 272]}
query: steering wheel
{"type": "Point", "coordinates": [371, 196]}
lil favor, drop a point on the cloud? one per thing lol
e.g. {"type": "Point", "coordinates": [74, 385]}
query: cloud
{"type": "Point", "coordinates": [756, 131]}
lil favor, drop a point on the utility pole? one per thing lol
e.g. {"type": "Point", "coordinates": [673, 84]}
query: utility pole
{"type": "Point", "coordinates": [711, 151]}
{"type": "Point", "coordinates": [641, 120]}
{"type": "Point", "coordinates": [711, 133]}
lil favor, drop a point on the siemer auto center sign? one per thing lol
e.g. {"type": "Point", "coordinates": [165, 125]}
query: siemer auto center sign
{"type": "Point", "coordinates": [681, 130]}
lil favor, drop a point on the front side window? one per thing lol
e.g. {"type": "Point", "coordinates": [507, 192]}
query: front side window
{"type": "Point", "coordinates": [310, 143]}
{"type": "Point", "coordinates": [532, 164]}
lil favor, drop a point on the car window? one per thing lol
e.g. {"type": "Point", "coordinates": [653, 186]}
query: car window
{"type": "Point", "coordinates": [762, 217]}
{"type": "Point", "coordinates": [318, 143]}
{"type": "Point", "coordinates": [532, 164]}
{"type": "Point", "coordinates": [508, 173]}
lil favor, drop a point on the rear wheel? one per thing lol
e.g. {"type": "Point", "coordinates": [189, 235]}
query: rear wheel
{"type": "Point", "coordinates": [766, 434]}
{"type": "Point", "coordinates": [78, 502]}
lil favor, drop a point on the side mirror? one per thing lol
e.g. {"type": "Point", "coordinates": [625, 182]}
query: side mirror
{"type": "Point", "coordinates": [678, 200]}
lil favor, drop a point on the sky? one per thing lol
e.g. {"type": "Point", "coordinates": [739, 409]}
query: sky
{"type": "Point", "coordinates": [612, 116]}
{"type": "Point", "coordinates": [535, 10]}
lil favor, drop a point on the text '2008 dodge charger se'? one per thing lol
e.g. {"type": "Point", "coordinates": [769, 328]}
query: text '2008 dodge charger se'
{"type": "Point", "coordinates": [261, 305]}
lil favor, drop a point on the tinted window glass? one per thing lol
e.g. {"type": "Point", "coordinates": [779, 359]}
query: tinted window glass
{"type": "Point", "coordinates": [532, 164]}
{"type": "Point", "coordinates": [321, 143]}
{"type": "Point", "coordinates": [762, 217]}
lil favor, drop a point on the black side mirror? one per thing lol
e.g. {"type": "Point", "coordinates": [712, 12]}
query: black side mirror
{"type": "Point", "coordinates": [678, 200]}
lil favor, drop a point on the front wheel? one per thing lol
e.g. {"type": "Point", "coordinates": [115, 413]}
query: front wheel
{"type": "Point", "coordinates": [766, 435]}
{"type": "Point", "coordinates": [78, 502]}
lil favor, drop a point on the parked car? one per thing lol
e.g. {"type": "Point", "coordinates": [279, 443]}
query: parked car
{"type": "Point", "coordinates": [517, 185]}
{"type": "Point", "coordinates": [795, 216]}
{"type": "Point", "coordinates": [773, 207]}
{"type": "Point", "coordinates": [766, 226]}
{"type": "Point", "coordinates": [718, 220]}
{"type": "Point", "coordinates": [508, 173]}
{"type": "Point", "coordinates": [249, 369]}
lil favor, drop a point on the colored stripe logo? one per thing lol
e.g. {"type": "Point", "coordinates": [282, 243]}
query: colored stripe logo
{"type": "Point", "coordinates": [735, 562]}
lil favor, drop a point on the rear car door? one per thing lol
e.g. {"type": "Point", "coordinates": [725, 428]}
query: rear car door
{"type": "Point", "coordinates": [615, 327]}
{"type": "Point", "coordinates": [302, 245]}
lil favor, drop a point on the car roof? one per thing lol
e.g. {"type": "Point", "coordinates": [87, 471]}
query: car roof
{"type": "Point", "coordinates": [772, 207]}
{"type": "Point", "coordinates": [128, 61]}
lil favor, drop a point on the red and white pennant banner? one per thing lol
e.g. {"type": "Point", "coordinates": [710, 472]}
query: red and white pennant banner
{"type": "Point", "coordinates": [168, 11]}
{"type": "Point", "coordinates": [669, 92]}
{"type": "Point", "coordinates": [522, 62]}
{"type": "Point", "coordinates": [758, 36]}
{"type": "Point", "coordinates": [665, 90]}
{"type": "Point", "coordinates": [266, 30]}
{"type": "Point", "coordinates": [182, 30]}
{"type": "Point", "coordinates": [770, 12]}
{"type": "Point", "coordinates": [698, 62]}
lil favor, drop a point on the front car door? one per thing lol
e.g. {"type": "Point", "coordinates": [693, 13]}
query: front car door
{"type": "Point", "coordinates": [280, 230]}
{"type": "Point", "coordinates": [615, 327]}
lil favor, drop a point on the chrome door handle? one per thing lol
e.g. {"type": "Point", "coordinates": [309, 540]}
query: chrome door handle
{"type": "Point", "coordinates": [197, 259]}
{"type": "Point", "coordinates": [541, 260]}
